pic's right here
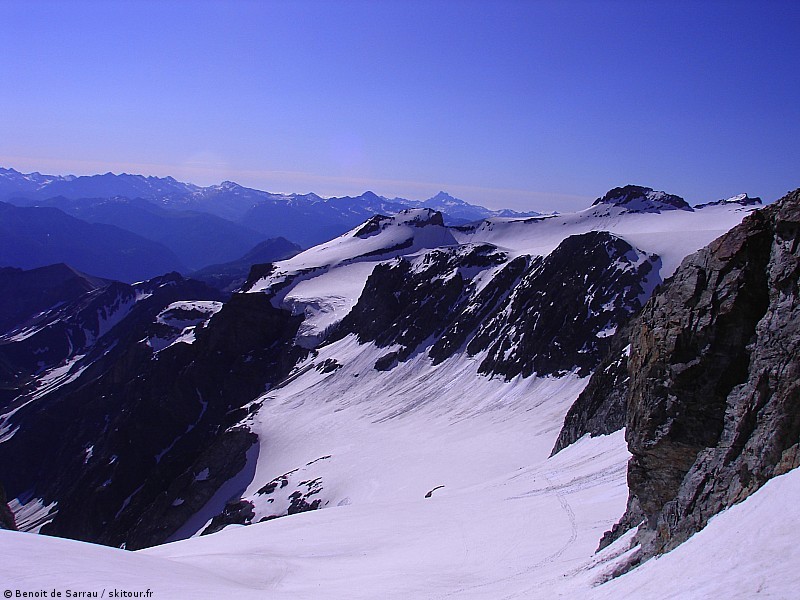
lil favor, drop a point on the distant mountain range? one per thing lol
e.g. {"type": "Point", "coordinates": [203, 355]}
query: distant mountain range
{"type": "Point", "coordinates": [37, 236]}
{"type": "Point", "coordinates": [170, 225]}
{"type": "Point", "coordinates": [197, 238]}
{"type": "Point", "coordinates": [306, 219]}
{"type": "Point", "coordinates": [131, 227]}
{"type": "Point", "coordinates": [423, 394]}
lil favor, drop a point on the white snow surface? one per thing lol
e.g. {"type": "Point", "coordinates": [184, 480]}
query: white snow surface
{"type": "Point", "coordinates": [68, 371]}
{"type": "Point", "coordinates": [171, 315]}
{"type": "Point", "coordinates": [325, 299]}
{"type": "Point", "coordinates": [349, 248]}
{"type": "Point", "coordinates": [324, 282]}
{"type": "Point", "coordinates": [748, 551]}
{"type": "Point", "coordinates": [522, 535]}
{"type": "Point", "coordinates": [183, 326]}
{"type": "Point", "coordinates": [503, 520]}
{"type": "Point", "coordinates": [672, 234]}
{"type": "Point", "coordinates": [32, 514]}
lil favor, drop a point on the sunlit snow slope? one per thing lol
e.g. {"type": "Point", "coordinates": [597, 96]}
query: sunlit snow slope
{"type": "Point", "coordinates": [433, 480]}
{"type": "Point", "coordinates": [452, 546]}
{"type": "Point", "coordinates": [324, 282]}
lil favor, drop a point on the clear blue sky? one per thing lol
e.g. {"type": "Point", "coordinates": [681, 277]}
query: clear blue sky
{"type": "Point", "coordinates": [539, 105]}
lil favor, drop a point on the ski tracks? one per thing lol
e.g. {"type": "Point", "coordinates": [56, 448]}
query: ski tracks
{"type": "Point", "coordinates": [573, 536]}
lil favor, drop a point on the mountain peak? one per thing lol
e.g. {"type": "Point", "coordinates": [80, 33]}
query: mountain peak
{"type": "Point", "coordinates": [637, 198]}
{"type": "Point", "coordinates": [444, 198]}
{"type": "Point", "coordinates": [420, 217]}
{"type": "Point", "coordinates": [229, 185]}
{"type": "Point", "coordinates": [370, 195]}
{"type": "Point", "coordinates": [741, 199]}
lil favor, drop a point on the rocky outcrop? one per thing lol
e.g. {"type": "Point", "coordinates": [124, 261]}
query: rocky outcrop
{"type": "Point", "coordinates": [559, 317]}
{"type": "Point", "coordinates": [6, 516]}
{"type": "Point", "coordinates": [601, 407]}
{"type": "Point", "coordinates": [23, 294]}
{"type": "Point", "coordinates": [713, 399]}
{"type": "Point", "coordinates": [76, 330]}
{"type": "Point", "coordinates": [236, 512]}
{"type": "Point", "coordinates": [544, 315]}
{"type": "Point", "coordinates": [129, 430]}
{"type": "Point", "coordinates": [159, 515]}
{"type": "Point", "coordinates": [637, 198]}
{"type": "Point", "coordinates": [405, 303]}
{"type": "Point", "coordinates": [740, 199]}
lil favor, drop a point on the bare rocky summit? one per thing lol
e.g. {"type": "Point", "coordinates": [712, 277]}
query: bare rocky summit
{"type": "Point", "coordinates": [711, 384]}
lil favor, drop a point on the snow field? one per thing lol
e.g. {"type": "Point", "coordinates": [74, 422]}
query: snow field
{"type": "Point", "coordinates": [503, 520]}
{"type": "Point", "coordinates": [507, 517]}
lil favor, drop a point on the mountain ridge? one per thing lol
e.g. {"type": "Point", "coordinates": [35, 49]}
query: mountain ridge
{"type": "Point", "coordinates": [705, 386]}
{"type": "Point", "coordinates": [38, 236]}
{"type": "Point", "coordinates": [409, 374]}
{"type": "Point", "coordinates": [175, 194]}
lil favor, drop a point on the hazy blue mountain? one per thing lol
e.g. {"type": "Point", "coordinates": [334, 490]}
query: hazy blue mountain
{"type": "Point", "coordinates": [36, 236]}
{"type": "Point", "coordinates": [36, 186]}
{"type": "Point", "coordinates": [26, 293]}
{"type": "Point", "coordinates": [198, 239]}
{"type": "Point", "coordinates": [229, 276]}
{"type": "Point", "coordinates": [456, 211]}
{"type": "Point", "coordinates": [307, 219]}
{"type": "Point", "coordinates": [310, 220]}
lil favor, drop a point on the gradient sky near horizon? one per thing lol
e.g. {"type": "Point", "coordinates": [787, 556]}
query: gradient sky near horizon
{"type": "Point", "coordinates": [530, 105]}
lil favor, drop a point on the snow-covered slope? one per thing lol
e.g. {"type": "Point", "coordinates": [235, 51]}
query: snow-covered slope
{"type": "Point", "coordinates": [672, 234]}
{"type": "Point", "coordinates": [324, 282]}
{"type": "Point", "coordinates": [412, 413]}
{"type": "Point", "coordinates": [523, 539]}
{"type": "Point", "coordinates": [178, 321]}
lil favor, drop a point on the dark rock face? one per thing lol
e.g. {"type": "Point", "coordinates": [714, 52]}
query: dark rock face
{"type": "Point", "coordinates": [477, 310]}
{"type": "Point", "coordinates": [236, 512]}
{"type": "Point", "coordinates": [162, 511]}
{"type": "Point", "coordinates": [26, 293]}
{"type": "Point", "coordinates": [60, 334]}
{"type": "Point", "coordinates": [602, 406]}
{"type": "Point", "coordinates": [287, 494]}
{"type": "Point", "coordinates": [559, 316]}
{"type": "Point", "coordinates": [75, 329]}
{"type": "Point", "coordinates": [130, 432]}
{"type": "Point", "coordinates": [534, 316]}
{"type": "Point", "coordinates": [713, 400]}
{"type": "Point", "coordinates": [639, 198]}
{"type": "Point", "coordinates": [6, 516]}
{"type": "Point", "coordinates": [406, 303]}
{"type": "Point", "coordinates": [741, 199]}
{"type": "Point", "coordinates": [372, 226]}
